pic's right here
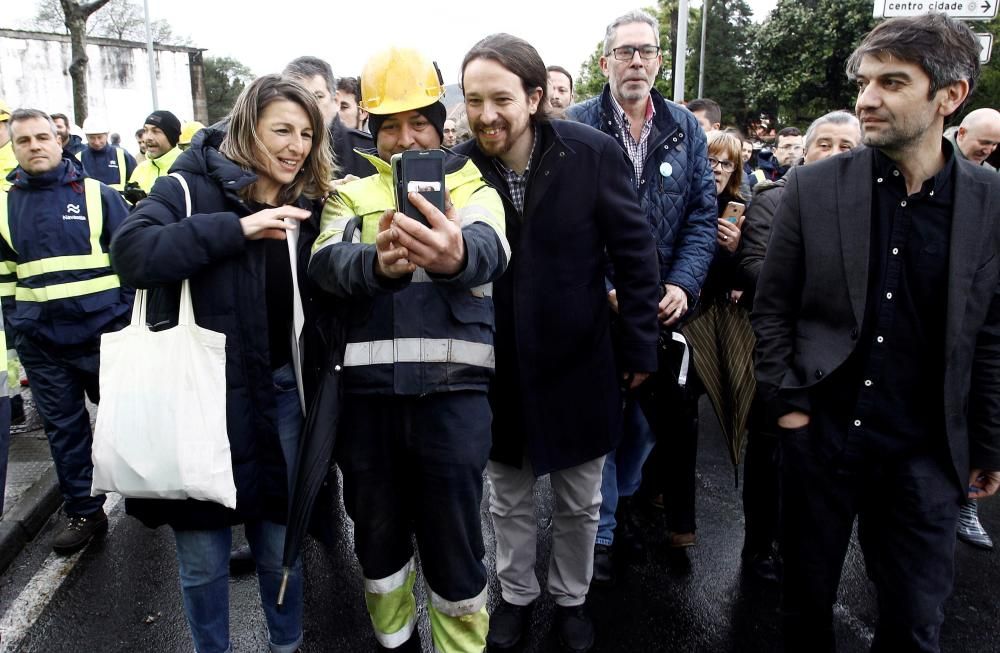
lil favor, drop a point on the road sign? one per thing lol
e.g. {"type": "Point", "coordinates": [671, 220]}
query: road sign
{"type": "Point", "coordinates": [986, 40]}
{"type": "Point", "coordinates": [964, 9]}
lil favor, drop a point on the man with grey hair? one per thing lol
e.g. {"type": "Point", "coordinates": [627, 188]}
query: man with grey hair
{"type": "Point", "coordinates": [830, 134]}
{"type": "Point", "coordinates": [977, 136]}
{"type": "Point", "coordinates": [878, 342]}
{"type": "Point", "coordinates": [316, 75]}
{"type": "Point", "coordinates": [669, 169]}
{"type": "Point", "coordinates": [59, 296]}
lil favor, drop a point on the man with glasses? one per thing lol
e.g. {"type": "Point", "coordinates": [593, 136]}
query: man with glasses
{"type": "Point", "coordinates": [670, 171]}
{"type": "Point", "coordinates": [787, 153]}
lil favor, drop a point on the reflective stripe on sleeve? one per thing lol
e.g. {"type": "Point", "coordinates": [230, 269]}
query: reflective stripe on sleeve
{"type": "Point", "coordinates": [66, 290]}
{"type": "Point", "coordinates": [63, 264]}
{"type": "Point", "coordinates": [419, 350]}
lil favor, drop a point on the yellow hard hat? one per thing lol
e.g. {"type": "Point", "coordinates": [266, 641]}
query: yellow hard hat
{"type": "Point", "coordinates": [4, 111]}
{"type": "Point", "coordinates": [399, 79]}
{"type": "Point", "coordinates": [188, 130]}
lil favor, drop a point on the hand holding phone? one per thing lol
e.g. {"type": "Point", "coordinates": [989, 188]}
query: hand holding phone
{"type": "Point", "coordinates": [733, 212]}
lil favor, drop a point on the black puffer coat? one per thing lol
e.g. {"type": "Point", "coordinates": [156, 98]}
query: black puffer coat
{"type": "Point", "coordinates": [158, 248]}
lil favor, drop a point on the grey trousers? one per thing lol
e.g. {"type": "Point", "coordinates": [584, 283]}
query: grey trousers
{"type": "Point", "coordinates": [577, 508]}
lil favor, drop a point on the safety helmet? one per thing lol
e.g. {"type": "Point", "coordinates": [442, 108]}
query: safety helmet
{"type": "Point", "coordinates": [94, 126]}
{"type": "Point", "coordinates": [188, 130]}
{"type": "Point", "coordinates": [399, 79]}
{"type": "Point", "coordinates": [4, 111]}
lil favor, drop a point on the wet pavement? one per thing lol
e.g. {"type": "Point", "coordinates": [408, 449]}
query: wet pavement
{"type": "Point", "coordinates": [122, 593]}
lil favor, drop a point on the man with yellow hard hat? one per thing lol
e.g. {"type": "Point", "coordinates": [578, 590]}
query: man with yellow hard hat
{"type": "Point", "coordinates": [414, 433]}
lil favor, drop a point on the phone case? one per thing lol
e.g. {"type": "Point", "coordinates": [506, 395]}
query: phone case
{"type": "Point", "coordinates": [420, 171]}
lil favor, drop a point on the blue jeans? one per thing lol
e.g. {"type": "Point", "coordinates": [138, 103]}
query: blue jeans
{"type": "Point", "coordinates": [203, 556]}
{"type": "Point", "coordinates": [289, 415]}
{"type": "Point", "coordinates": [623, 469]}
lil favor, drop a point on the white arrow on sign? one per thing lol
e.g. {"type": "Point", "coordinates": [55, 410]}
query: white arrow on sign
{"type": "Point", "coordinates": [964, 9]}
{"type": "Point", "coordinates": [986, 40]}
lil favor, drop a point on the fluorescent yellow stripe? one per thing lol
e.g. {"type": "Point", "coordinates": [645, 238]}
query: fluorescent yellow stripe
{"type": "Point", "coordinates": [4, 222]}
{"type": "Point", "coordinates": [7, 267]}
{"type": "Point", "coordinates": [95, 213]}
{"type": "Point", "coordinates": [7, 289]}
{"type": "Point", "coordinates": [62, 264]}
{"type": "Point", "coordinates": [66, 290]}
{"type": "Point", "coordinates": [121, 170]}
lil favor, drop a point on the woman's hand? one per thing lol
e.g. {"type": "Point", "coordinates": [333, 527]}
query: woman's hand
{"type": "Point", "coordinates": [728, 236]}
{"type": "Point", "coordinates": [271, 223]}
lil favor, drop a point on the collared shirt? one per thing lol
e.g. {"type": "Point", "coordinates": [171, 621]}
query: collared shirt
{"type": "Point", "coordinates": [518, 184]}
{"type": "Point", "coordinates": [891, 389]}
{"type": "Point", "coordinates": [636, 149]}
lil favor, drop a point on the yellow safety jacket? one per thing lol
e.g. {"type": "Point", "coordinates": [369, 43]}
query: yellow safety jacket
{"type": "Point", "coordinates": [7, 164]}
{"type": "Point", "coordinates": [150, 170]}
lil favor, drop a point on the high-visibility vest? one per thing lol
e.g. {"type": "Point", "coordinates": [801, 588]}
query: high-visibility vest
{"type": "Point", "coordinates": [21, 279]}
{"type": "Point", "coordinates": [122, 171]}
{"type": "Point", "coordinates": [150, 170]}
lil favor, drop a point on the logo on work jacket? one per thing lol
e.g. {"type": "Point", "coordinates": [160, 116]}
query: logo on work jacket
{"type": "Point", "coordinates": [73, 213]}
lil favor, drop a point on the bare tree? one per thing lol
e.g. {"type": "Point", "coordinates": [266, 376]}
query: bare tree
{"type": "Point", "coordinates": [75, 15]}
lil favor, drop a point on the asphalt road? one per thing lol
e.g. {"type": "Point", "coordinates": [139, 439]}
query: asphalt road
{"type": "Point", "coordinates": [122, 593]}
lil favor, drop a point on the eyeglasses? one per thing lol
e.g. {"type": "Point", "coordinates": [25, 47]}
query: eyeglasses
{"type": "Point", "coordinates": [727, 166]}
{"type": "Point", "coordinates": [626, 52]}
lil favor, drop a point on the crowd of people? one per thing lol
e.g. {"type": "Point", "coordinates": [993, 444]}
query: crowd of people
{"type": "Point", "coordinates": [595, 269]}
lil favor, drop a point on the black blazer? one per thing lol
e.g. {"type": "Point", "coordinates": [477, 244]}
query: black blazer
{"type": "Point", "coordinates": [812, 290]}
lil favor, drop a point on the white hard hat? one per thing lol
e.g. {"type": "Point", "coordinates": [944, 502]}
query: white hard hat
{"type": "Point", "coordinates": [94, 126]}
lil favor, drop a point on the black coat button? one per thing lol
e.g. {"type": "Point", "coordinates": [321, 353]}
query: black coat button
{"type": "Point", "coordinates": [819, 374]}
{"type": "Point", "coordinates": [854, 333]}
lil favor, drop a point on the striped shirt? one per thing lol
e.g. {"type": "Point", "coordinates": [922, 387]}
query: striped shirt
{"type": "Point", "coordinates": [636, 150]}
{"type": "Point", "coordinates": [518, 184]}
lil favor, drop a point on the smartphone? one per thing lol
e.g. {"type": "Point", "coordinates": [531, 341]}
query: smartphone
{"type": "Point", "coordinates": [418, 171]}
{"type": "Point", "coordinates": [733, 212]}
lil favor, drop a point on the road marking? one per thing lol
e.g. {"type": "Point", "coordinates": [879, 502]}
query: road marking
{"type": "Point", "coordinates": [38, 593]}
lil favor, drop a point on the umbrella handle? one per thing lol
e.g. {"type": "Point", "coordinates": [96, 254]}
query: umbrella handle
{"type": "Point", "coordinates": [284, 584]}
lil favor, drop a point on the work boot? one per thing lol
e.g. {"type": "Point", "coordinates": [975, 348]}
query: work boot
{"type": "Point", "coordinates": [604, 566]}
{"type": "Point", "coordinates": [79, 530]}
{"type": "Point", "coordinates": [241, 561]}
{"type": "Point", "coordinates": [576, 630]}
{"type": "Point", "coordinates": [970, 530]}
{"type": "Point", "coordinates": [507, 625]}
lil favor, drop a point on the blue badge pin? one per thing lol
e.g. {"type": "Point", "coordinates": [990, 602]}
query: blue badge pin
{"type": "Point", "coordinates": [666, 169]}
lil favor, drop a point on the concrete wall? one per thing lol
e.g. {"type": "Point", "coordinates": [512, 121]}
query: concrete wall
{"type": "Point", "coordinates": [34, 73]}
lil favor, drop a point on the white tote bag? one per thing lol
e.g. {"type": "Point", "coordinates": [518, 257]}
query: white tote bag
{"type": "Point", "coordinates": [161, 425]}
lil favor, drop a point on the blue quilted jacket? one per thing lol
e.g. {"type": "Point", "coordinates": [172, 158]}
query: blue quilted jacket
{"type": "Point", "coordinates": [677, 189]}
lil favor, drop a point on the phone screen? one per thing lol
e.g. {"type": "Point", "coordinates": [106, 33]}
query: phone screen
{"type": "Point", "coordinates": [418, 172]}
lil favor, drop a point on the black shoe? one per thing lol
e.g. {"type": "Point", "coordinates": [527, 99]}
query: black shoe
{"type": "Point", "coordinates": [79, 530]}
{"type": "Point", "coordinates": [604, 566]}
{"type": "Point", "coordinates": [507, 625]}
{"type": "Point", "coordinates": [16, 410]}
{"type": "Point", "coordinates": [763, 566]}
{"type": "Point", "coordinates": [576, 630]}
{"type": "Point", "coordinates": [241, 561]}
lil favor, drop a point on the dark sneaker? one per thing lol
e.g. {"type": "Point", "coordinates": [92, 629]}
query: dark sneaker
{"type": "Point", "coordinates": [576, 630]}
{"type": "Point", "coordinates": [507, 625]}
{"type": "Point", "coordinates": [604, 566]}
{"type": "Point", "coordinates": [764, 566]}
{"type": "Point", "coordinates": [241, 561]}
{"type": "Point", "coordinates": [970, 530]}
{"type": "Point", "coordinates": [79, 530]}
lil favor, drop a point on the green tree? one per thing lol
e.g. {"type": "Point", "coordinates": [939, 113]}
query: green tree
{"type": "Point", "coordinates": [727, 52]}
{"type": "Point", "coordinates": [798, 57]}
{"type": "Point", "coordinates": [225, 79]}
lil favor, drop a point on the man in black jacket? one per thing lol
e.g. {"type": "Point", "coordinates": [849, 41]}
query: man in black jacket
{"type": "Point", "coordinates": [556, 396]}
{"type": "Point", "coordinates": [878, 324]}
{"type": "Point", "coordinates": [833, 133]}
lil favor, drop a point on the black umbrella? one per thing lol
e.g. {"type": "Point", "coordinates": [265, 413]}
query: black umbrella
{"type": "Point", "coordinates": [319, 433]}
